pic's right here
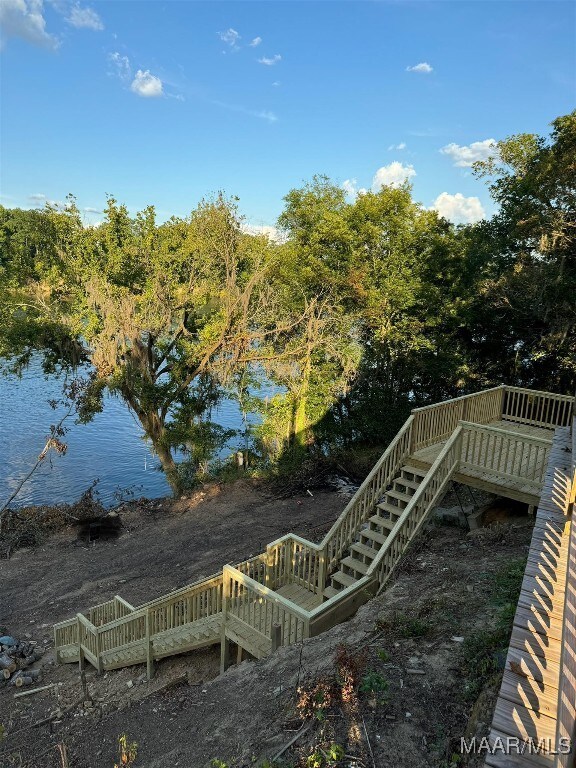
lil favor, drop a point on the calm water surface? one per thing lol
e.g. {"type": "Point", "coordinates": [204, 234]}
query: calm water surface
{"type": "Point", "coordinates": [112, 447]}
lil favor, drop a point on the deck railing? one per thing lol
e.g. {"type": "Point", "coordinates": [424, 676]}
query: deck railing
{"type": "Point", "coordinates": [505, 454]}
{"type": "Point", "coordinates": [434, 423]}
{"type": "Point", "coordinates": [537, 409]}
{"type": "Point", "coordinates": [260, 608]}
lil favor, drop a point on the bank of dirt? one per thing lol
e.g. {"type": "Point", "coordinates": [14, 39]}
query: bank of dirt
{"type": "Point", "coordinates": [411, 713]}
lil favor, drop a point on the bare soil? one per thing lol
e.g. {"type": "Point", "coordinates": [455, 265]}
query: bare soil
{"type": "Point", "coordinates": [441, 592]}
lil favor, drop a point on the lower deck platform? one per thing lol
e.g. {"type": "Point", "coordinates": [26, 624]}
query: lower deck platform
{"type": "Point", "coordinates": [503, 483]}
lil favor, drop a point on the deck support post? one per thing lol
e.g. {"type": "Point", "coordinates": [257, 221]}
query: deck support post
{"type": "Point", "coordinates": [322, 568]}
{"type": "Point", "coordinates": [224, 641]}
{"type": "Point", "coordinates": [149, 649]}
{"type": "Point", "coordinates": [239, 655]}
{"type": "Point", "coordinates": [99, 662]}
{"type": "Point", "coordinates": [276, 636]}
{"type": "Point", "coordinates": [81, 658]}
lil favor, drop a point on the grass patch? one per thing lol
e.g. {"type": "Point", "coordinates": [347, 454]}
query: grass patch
{"type": "Point", "coordinates": [484, 653]}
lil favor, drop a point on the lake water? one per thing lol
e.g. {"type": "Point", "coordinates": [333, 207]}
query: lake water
{"type": "Point", "coordinates": [112, 447]}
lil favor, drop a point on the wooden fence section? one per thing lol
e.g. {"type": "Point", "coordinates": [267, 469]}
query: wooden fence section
{"type": "Point", "coordinates": [528, 704]}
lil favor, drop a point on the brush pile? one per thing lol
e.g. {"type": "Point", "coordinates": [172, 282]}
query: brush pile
{"type": "Point", "coordinates": [16, 660]}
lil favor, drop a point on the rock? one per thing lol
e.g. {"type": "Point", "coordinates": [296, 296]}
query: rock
{"type": "Point", "coordinates": [129, 684]}
{"type": "Point", "coordinates": [457, 639]}
{"type": "Point", "coordinates": [7, 640]}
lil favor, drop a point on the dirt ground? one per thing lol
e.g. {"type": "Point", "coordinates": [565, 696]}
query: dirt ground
{"type": "Point", "coordinates": [411, 638]}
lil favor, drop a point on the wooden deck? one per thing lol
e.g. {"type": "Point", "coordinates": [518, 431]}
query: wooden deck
{"type": "Point", "coordinates": [302, 597]}
{"type": "Point", "coordinates": [527, 706]}
{"type": "Point", "coordinates": [511, 478]}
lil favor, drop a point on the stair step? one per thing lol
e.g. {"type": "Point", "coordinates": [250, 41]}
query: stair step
{"type": "Point", "coordinates": [384, 522]}
{"type": "Point", "coordinates": [343, 578]}
{"type": "Point", "coordinates": [330, 592]}
{"type": "Point", "coordinates": [391, 508]}
{"type": "Point", "coordinates": [379, 538]}
{"type": "Point", "coordinates": [415, 471]}
{"type": "Point", "coordinates": [404, 497]}
{"type": "Point", "coordinates": [363, 550]}
{"type": "Point", "coordinates": [355, 565]}
{"type": "Point", "coordinates": [414, 484]}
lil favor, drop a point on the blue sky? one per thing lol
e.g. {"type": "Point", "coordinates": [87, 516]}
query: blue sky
{"type": "Point", "coordinates": [164, 102]}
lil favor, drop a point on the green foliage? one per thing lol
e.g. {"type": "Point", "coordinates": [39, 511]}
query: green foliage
{"type": "Point", "coordinates": [373, 682]}
{"type": "Point", "coordinates": [484, 651]}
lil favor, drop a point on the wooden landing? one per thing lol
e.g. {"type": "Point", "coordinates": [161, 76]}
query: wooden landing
{"type": "Point", "coordinates": [500, 484]}
{"type": "Point", "coordinates": [527, 706]}
{"type": "Point", "coordinates": [302, 597]}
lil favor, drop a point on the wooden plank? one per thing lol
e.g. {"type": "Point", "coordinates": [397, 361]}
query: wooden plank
{"type": "Point", "coordinates": [526, 692]}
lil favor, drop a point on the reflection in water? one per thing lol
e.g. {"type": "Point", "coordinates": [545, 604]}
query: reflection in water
{"type": "Point", "coordinates": [112, 447]}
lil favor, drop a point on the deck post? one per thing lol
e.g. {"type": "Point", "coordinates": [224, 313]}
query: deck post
{"type": "Point", "coordinates": [268, 580]}
{"type": "Point", "coordinates": [322, 568]}
{"type": "Point", "coordinates": [81, 659]}
{"type": "Point", "coordinates": [149, 647]}
{"type": "Point", "coordinates": [99, 662]}
{"type": "Point", "coordinates": [224, 642]}
{"type": "Point", "coordinates": [276, 636]}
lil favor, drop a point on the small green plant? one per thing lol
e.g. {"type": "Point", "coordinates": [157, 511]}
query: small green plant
{"type": "Point", "coordinates": [321, 758]}
{"type": "Point", "coordinates": [215, 763]}
{"type": "Point", "coordinates": [128, 752]}
{"type": "Point", "coordinates": [412, 627]}
{"type": "Point", "coordinates": [372, 682]}
{"type": "Point", "coordinates": [383, 655]}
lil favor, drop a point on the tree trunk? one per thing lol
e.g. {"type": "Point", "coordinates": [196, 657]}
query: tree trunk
{"type": "Point", "coordinates": [154, 427]}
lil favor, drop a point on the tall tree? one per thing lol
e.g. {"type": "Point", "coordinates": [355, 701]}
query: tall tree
{"type": "Point", "coordinates": [526, 314]}
{"type": "Point", "coordinates": [163, 313]}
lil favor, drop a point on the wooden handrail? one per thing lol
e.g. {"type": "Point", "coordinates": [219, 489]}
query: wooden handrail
{"type": "Point", "coordinates": [457, 399]}
{"type": "Point", "coordinates": [505, 432]}
{"type": "Point", "coordinates": [263, 591]}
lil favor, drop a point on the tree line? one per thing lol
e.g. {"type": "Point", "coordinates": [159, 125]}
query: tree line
{"type": "Point", "coordinates": [362, 310]}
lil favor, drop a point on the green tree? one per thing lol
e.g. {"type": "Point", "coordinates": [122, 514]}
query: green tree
{"type": "Point", "coordinates": [165, 314]}
{"type": "Point", "coordinates": [524, 324]}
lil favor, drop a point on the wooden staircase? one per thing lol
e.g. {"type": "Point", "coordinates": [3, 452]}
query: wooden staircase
{"type": "Point", "coordinates": [498, 439]}
{"type": "Point", "coordinates": [377, 530]}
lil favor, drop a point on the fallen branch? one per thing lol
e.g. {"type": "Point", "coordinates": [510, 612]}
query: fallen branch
{"type": "Point", "coordinates": [305, 728]}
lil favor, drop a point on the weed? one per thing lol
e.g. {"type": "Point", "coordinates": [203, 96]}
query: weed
{"type": "Point", "coordinates": [315, 699]}
{"type": "Point", "coordinates": [372, 682]}
{"type": "Point", "coordinates": [128, 752]}
{"type": "Point", "coordinates": [215, 763]}
{"type": "Point", "coordinates": [383, 655]}
{"type": "Point", "coordinates": [321, 758]}
{"type": "Point", "coordinates": [350, 665]}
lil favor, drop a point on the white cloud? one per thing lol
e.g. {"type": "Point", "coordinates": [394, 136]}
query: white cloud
{"type": "Point", "coordinates": [276, 83]}
{"type": "Point", "coordinates": [393, 175]}
{"type": "Point", "coordinates": [465, 156]}
{"type": "Point", "coordinates": [400, 146]}
{"type": "Point", "coordinates": [423, 68]}
{"type": "Point", "coordinates": [89, 209]}
{"type": "Point", "coordinates": [84, 18]}
{"type": "Point", "coordinates": [38, 197]}
{"type": "Point", "coordinates": [230, 37]}
{"type": "Point", "coordinates": [25, 19]}
{"type": "Point", "coordinates": [146, 84]}
{"type": "Point", "coordinates": [255, 42]}
{"type": "Point", "coordinates": [121, 65]}
{"type": "Point", "coordinates": [350, 186]}
{"type": "Point", "coordinates": [273, 233]}
{"type": "Point", "coordinates": [269, 62]}
{"type": "Point", "coordinates": [459, 209]}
